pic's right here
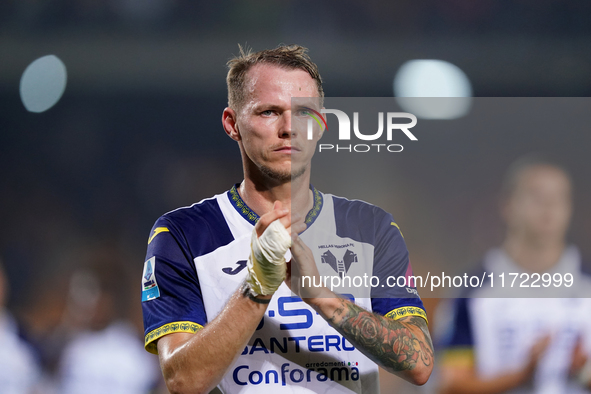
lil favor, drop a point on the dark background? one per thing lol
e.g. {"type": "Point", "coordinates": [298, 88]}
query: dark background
{"type": "Point", "coordinates": [138, 133]}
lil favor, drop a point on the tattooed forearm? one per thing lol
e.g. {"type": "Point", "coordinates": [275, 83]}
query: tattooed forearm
{"type": "Point", "coordinates": [398, 344]}
{"type": "Point", "coordinates": [422, 325]}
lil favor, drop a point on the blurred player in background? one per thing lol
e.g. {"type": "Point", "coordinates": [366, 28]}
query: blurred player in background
{"type": "Point", "coordinates": [525, 345]}
{"type": "Point", "coordinates": [217, 295]}
{"type": "Point", "coordinates": [102, 353]}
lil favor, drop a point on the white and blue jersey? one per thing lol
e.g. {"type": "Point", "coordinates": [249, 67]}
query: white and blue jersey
{"type": "Point", "coordinates": [494, 328]}
{"type": "Point", "coordinates": [197, 258]}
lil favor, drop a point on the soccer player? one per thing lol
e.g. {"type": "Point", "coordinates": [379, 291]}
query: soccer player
{"type": "Point", "coordinates": [525, 345]}
{"type": "Point", "coordinates": [217, 289]}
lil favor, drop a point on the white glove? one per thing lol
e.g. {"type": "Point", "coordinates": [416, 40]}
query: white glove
{"type": "Point", "coordinates": [266, 263]}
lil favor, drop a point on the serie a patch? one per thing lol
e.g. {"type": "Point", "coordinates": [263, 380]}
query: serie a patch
{"type": "Point", "coordinates": [150, 289]}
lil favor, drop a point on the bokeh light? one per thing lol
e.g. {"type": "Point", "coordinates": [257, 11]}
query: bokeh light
{"type": "Point", "coordinates": [43, 83]}
{"type": "Point", "coordinates": [418, 80]}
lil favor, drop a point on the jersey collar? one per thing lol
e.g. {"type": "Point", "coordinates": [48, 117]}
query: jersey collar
{"type": "Point", "coordinates": [250, 216]}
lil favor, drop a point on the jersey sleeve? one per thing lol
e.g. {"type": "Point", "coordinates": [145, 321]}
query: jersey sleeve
{"type": "Point", "coordinates": [457, 339]}
{"type": "Point", "coordinates": [398, 298]}
{"type": "Point", "coordinates": [171, 295]}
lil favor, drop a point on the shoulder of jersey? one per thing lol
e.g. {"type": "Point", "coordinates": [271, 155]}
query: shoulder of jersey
{"type": "Point", "coordinates": [202, 226]}
{"type": "Point", "coordinates": [204, 210]}
{"type": "Point", "coordinates": [356, 207]}
{"type": "Point", "coordinates": [586, 271]}
{"type": "Point", "coordinates": [478, 270]}
{"type": "Point", "coordinates": [360, 220]}
{"type": "Point", "coordinates": [586, 267]}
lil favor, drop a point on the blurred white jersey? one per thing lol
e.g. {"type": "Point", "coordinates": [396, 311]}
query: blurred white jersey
{"type": "Point", "coordinates": [108, 361]}
{"type": "Point", "coordinates": [19, 369]}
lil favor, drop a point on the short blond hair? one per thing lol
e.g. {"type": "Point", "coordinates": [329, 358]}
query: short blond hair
{"type": "Point", "coordinates": [286, 56]}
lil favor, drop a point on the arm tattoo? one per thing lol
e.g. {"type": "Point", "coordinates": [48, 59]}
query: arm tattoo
{"type": "Point", "coordinates": [390, 343]}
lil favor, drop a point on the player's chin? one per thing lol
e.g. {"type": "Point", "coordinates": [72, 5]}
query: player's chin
{"type": "Point", "coordinates": [284, 170]}
{"type": "Point", "coordinates": [277, 172]}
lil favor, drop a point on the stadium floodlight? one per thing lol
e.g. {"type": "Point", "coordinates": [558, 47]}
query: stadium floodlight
{"type": "Point", "coordinates": [43, 83]}
{"type": "Point", "coordinates": [433, 89]}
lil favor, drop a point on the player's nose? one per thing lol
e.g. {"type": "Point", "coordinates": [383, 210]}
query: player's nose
{"type": "Point", "coordinates": [285, 129]}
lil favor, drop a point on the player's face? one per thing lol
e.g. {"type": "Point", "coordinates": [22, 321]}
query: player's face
{"type": "Point", "coordinates": [265, 121]}
{"type": "Point", "coordinates": [540, 206]}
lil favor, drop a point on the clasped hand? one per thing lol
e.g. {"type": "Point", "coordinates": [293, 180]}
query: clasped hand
{"type": "Point", "coordinates": [302, 263]}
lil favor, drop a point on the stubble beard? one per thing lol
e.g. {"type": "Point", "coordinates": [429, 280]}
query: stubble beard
{"type": "Point", "coordinates": [282, 176]}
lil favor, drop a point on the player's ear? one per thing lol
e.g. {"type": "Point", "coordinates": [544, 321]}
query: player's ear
{"type": "Point", "coordinates": [230, 124]}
